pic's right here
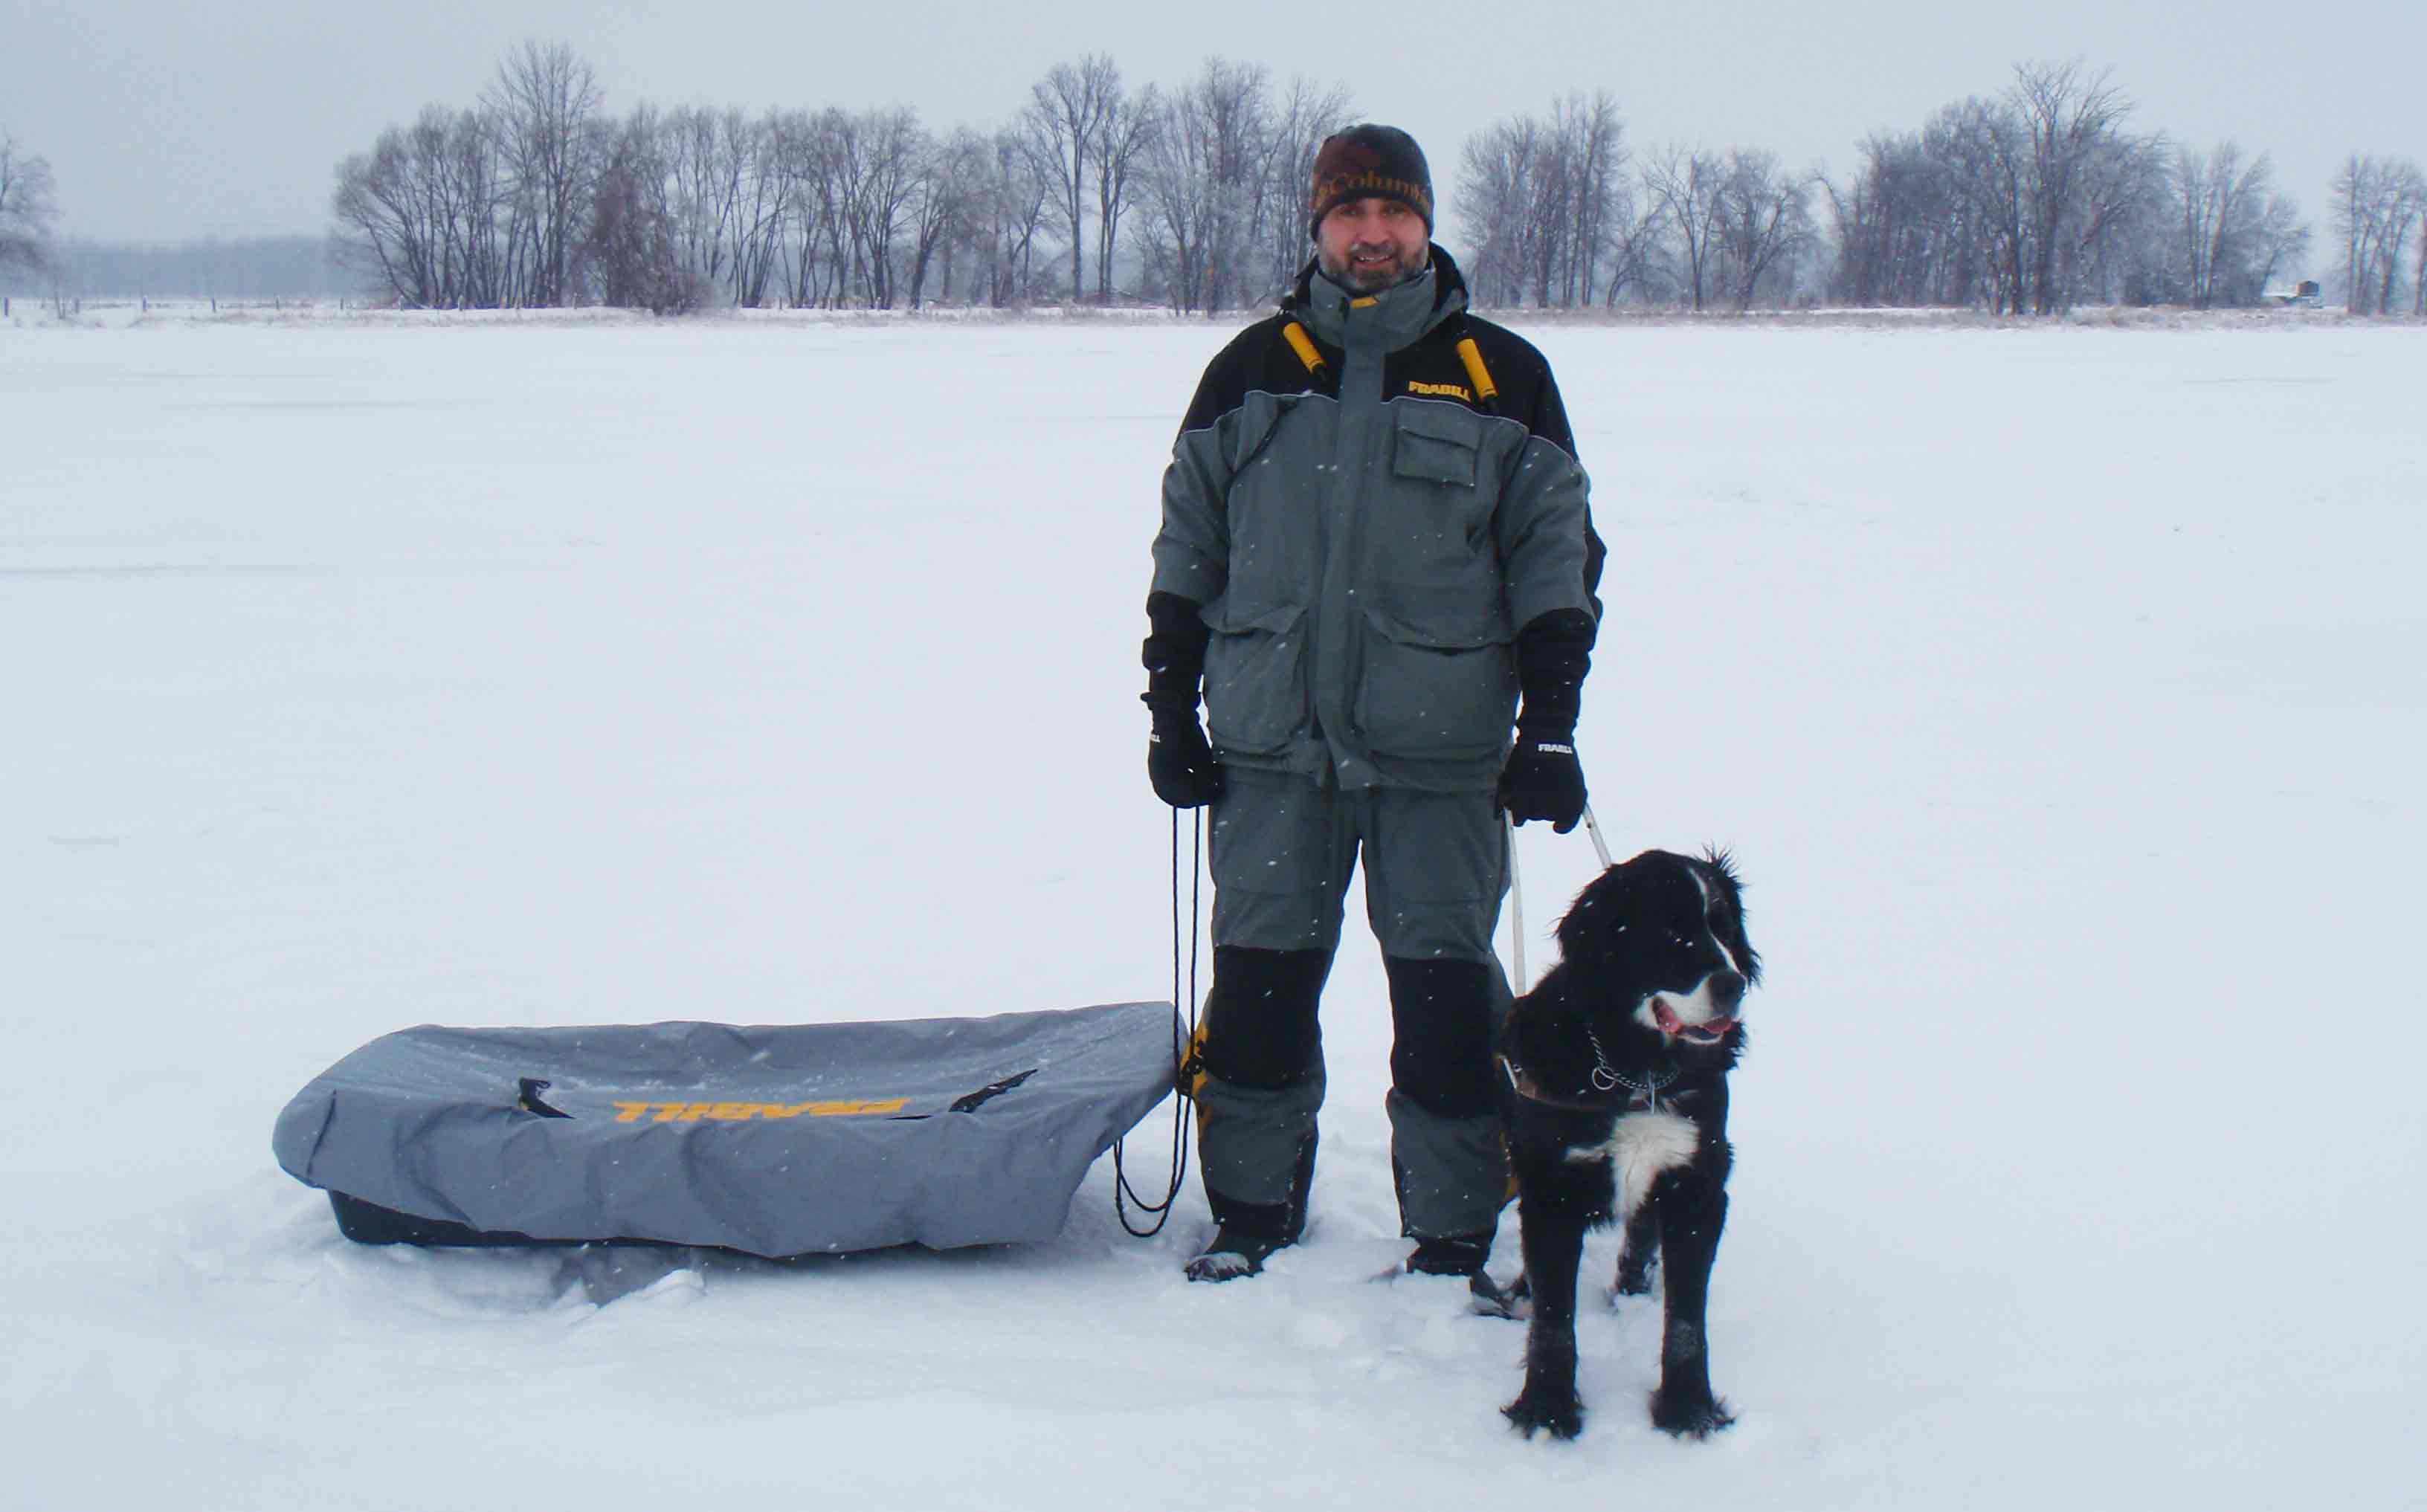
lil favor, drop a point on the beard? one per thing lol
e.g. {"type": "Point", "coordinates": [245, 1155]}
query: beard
{"type": "Point", "coordinates": [1392, 269]}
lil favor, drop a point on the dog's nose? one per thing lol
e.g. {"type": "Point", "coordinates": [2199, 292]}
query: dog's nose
{"type": "Point", "coordinates": [1727, 990]}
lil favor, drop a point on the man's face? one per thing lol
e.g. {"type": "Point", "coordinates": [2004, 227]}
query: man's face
{"type": "Point", "coordinates": [1370, 244]}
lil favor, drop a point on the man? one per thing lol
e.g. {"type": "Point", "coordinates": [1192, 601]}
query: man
{"type": "Point", "coordinates": [1374, 538]}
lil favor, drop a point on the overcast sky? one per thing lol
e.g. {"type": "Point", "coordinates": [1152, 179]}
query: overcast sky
{"type": "Point", "coordinates": [170, 119]}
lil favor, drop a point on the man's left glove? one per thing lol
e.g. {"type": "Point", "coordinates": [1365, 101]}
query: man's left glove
{"type": "Point", "coordinates": [1181, 763]}
{"type": "Point", "coordinates": [1542, 778]}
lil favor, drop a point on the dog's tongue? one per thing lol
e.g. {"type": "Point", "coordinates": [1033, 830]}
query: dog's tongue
{"type": "Point", "coordinates": [1715, 1030]}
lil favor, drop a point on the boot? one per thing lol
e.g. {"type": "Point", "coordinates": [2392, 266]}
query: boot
{"type": "Point", "coordinates": [1450, 1255]}
{"type": "Point", "coordinates": [1231, 1254]}
{"type": "Point", "coordinates": [1246, 1234]}
{"type": "Point", "coordinates": [1464, 1255]}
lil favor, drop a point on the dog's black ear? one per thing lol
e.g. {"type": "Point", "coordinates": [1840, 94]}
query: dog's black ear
{"type": "Point", "coordinates": [1731, 926]}
{"type": "Point", "coordinates": [1591, 932]}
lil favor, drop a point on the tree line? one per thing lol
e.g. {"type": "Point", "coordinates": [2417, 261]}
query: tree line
{"type": "Point", "coordinates": [536, 196]}
{"type": "Point", "coordinates": [2045, 196]}
{"type": "Point", "coordinates": [2031, 201]}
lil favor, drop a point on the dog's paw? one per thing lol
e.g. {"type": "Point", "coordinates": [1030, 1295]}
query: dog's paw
{"type": "Point", "coordinates": [1695, 1418]}
{"type": "Point", "coordinates": [1556, 1412]}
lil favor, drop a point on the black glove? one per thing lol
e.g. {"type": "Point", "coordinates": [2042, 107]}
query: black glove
{"type": "Point", "coordinates": [1542, 778]}
{"type": "Point", "coordinates": [1180, 763]}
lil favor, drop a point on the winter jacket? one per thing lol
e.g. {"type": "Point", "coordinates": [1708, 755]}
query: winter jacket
{"type": "Point", "coordinates": [1366, 536]}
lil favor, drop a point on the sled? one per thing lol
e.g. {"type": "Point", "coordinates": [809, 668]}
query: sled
{"type": "Point", "coordinates": [775, 1141]}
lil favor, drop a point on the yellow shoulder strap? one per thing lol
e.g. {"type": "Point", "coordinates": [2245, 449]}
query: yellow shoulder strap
{"type": "Point", "coordinates": [1303, 345]}
{"type": "Point", "coordinates": [1485, 389]}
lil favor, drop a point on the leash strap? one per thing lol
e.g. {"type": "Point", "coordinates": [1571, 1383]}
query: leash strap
{"type": "Point", "coordinates": [1517, 891]}
{"type": "Point", "coordinates": [1601, 847]}
{"type": "Point", "coordinates": [1516, 903]}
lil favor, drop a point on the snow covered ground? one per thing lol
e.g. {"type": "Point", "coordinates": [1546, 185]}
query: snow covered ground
{"type": "Point", "coordinates": [2058, 690]}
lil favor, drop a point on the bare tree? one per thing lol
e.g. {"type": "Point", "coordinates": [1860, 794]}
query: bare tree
{"type": "Point", "coordinates": [27, 206]}
{"type": "Point", "coordinates": [2376, 204]}
{"type": "Point", "coordinates": [704, 155]}
{"type": "Point", "coordinates": [632, 244]}
{"type": "Point", "coordinates": [540, 100]}
{"type": "Point", "coordinates": [1900, 233]}
{"type": "Point", "coordinates": [422, 213]}
{"type": "Point", "coordinates": [1066, 112]}
{"type": "Point", "coordinates": [946, 184]}
{"type": "Point", "coordinates": [1688, 186]}
{"type": "Point", "coordinates": [1201, 182]}
{"type": "Point", "coordinates": [1762, 221]}
{"type": "Point", "coordinates": [1541, 199]}
{"type": "Point", "coordinates": [807, 151]}
{"type": "Point", "coordinates": [1592, 139]}
{"type": "Point", "coordinates": [2235, 230]}
{"type": "Point", "coordinates": [1017, 196]}
{"type": "Point", "coordinates": [1116, 155]}
{"type": "Point", "coordinates": [760, 212]}
{"type": "Point", "coordinates": [1634, 242]}
{"type": "Point", "coordinates": [1500, 192]}
{"type": "Point", "coordinates": [2083, 174]}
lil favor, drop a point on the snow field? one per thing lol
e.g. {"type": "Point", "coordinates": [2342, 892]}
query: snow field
{"type": "Point", "coordinates": [2057, 689]}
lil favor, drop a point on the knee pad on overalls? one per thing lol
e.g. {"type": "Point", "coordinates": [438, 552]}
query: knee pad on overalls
{"type": "Point", "coordinates": [1261, 1028]}
{"type": "Point", "coordinates": [1441, 1050]}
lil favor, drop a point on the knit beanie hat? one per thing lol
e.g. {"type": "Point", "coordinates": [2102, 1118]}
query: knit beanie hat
{"type": "Point", "coordinates": [1370, 161]}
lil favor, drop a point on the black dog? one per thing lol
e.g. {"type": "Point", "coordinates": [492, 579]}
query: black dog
{"type": "Point", "coordinates": [1614, 1089]}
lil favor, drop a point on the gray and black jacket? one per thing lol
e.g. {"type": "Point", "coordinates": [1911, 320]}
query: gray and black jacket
{"type": "Point", "coordinates": [1366, 538]}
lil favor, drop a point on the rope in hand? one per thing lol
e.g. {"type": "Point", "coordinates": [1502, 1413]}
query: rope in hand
{"type": "Point", "coordinates": [1517, 892]}
{"type": "Point", "coordinates": [1183, 1029]}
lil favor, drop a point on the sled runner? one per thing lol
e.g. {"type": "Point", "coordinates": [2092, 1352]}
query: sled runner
{"type": "Point", "coordinates": [773, 1140]}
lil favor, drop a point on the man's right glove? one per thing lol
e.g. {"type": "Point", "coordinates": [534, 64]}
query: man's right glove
{"type": "Point", "coordinates": [1180, 762]}
{"type": "Point", "coordinates": [1542, 778]}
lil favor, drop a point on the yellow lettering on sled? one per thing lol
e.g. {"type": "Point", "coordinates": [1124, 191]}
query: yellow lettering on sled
{"type": "Point", "coordinates": [735, 1112]}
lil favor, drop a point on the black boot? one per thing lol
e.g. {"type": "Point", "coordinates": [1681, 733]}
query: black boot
{"type": "Point", "coordinates": [1464, 1255]}
{"type": "Point", "coordinates": [1231, 1254]}
{"type": "Point", "coordinates": [1450, 1255]}
{"type": "Point", "coordinates": [1246, 1234]}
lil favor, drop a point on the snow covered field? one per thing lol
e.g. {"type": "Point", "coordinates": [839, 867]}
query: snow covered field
{"type": "Point", "coordinates": [2058, 690]}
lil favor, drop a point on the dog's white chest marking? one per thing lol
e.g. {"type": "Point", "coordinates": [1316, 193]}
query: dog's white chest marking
{"type": "Point", "coordinates": [1643, 1146]}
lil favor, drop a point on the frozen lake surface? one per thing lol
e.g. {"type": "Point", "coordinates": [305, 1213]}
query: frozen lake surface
{"type": "Point", "coordinates": [2058, 690]}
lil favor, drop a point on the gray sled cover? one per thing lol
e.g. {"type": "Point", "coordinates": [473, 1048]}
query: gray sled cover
{"type": "Point", "coordinates": [776, 1141]}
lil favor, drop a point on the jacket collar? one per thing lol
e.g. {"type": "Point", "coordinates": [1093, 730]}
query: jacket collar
{"type": "Point", "coordinates": [1397, 317]}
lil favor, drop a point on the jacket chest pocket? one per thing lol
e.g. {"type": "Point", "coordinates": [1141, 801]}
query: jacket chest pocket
{"type": "Point", "coordinates": [1436, 443]}
{"type": "Point", "coordinates": [1443, 486]}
